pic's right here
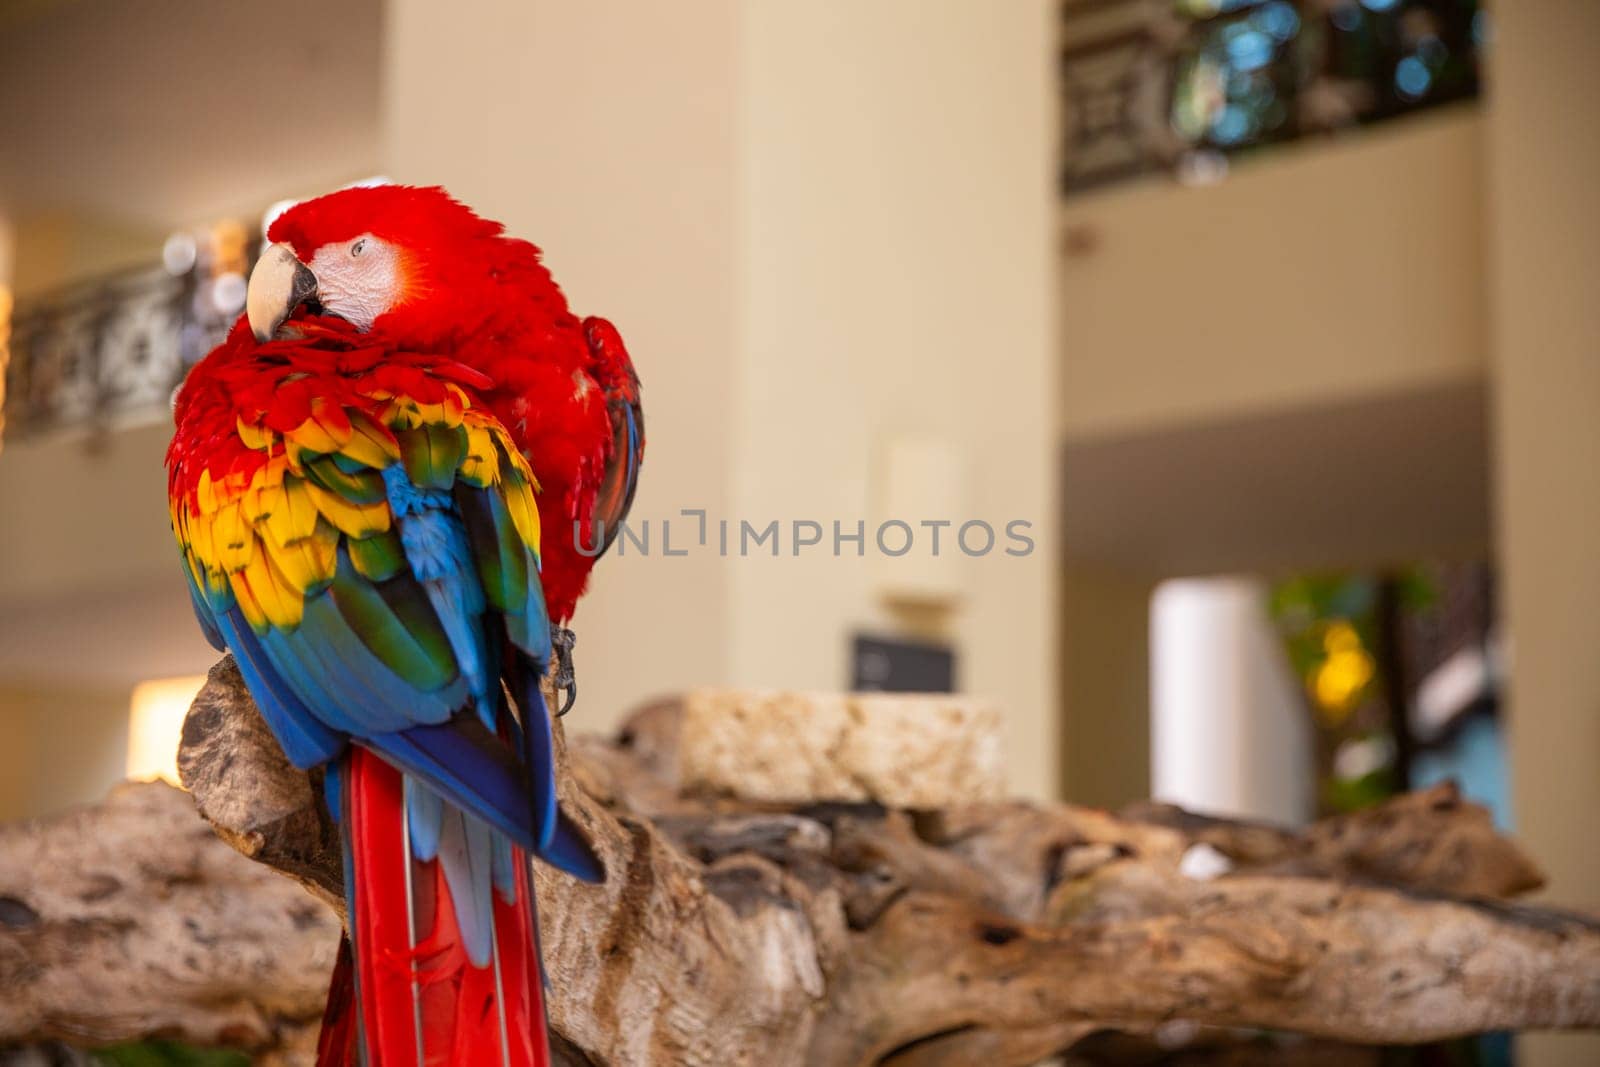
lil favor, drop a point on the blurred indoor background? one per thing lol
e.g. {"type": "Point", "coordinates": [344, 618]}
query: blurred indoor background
{"type": "Point", "coordinates": [1276, 319]}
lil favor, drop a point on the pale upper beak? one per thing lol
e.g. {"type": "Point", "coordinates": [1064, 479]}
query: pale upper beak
{"type": "Point", "coordinates": [278, 284]}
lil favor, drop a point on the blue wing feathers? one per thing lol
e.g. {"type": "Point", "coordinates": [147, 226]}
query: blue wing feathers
{"type": "Point", "coordinates": [633, 451]}
{"type": "Point", "coordinates": [203, 614]}
{"type": "Point", "coordinates": [410, 668]}
{"type": "Point", "coordinates": [434, 540]}
{"type": "Point", "coordinates": [305, 740]}
{"type": "Point", "coordinates": [350, 689]}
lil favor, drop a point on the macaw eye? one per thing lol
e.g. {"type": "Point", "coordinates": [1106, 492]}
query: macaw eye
{"type": "Point", "coordinates": [359, 247]}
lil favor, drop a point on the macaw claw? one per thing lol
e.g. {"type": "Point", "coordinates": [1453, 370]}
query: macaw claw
{"type": "Point", "coordinates": [566, 683]}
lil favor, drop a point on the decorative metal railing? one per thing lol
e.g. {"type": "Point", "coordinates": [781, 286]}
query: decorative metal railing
{"type": "Point", "coordinates": [1178, 85]}
{"type": "Point", "coordinates": [110, 351]}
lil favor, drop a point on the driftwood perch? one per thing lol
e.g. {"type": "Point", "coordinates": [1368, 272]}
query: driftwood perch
{"type": "Point", "coordinates": [131, 920]}
{"type": "Point", "coordinates": [729, 932]}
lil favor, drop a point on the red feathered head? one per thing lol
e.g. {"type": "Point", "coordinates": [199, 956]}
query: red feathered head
{"type": "Point", "coordinates": [412, 263]}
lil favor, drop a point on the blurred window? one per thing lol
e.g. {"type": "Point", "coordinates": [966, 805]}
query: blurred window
{"type": "Point", "coordinates": [1180, 87]}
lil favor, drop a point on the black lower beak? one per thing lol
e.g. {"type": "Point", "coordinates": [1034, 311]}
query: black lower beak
{"type": "Point", "coordinates": [278, 284]}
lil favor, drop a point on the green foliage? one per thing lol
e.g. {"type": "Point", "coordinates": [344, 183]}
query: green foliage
{"type": "Point", "coordinates": [1330, 624]}
{"type": "Point", "coordinates": [169, 1054]}
{"type": "Point", "coordinates": [1353, 794]}
{"type": "Point", "coordinates": [1304, 604]}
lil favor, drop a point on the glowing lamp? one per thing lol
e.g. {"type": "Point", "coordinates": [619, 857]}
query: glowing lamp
{"type": "Point", "coordinates": [155, 723]}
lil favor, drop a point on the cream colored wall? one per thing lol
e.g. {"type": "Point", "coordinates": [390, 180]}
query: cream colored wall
{"type": "Point", "coordinates": [8, 246]}
{"type": "Point", "coordinates": [816, 224]}
{"type": "Point", "coordinates": [91, 602]}
{"type": "Point", "coordinates": [99, 515]}
{"type": "Point", "coordinates": [16, 758]}
{"type": "Point", "coordinates": [605, 132]}
{"type": "Point", "coordinates": [1321, 272]}
{"type": "Point", "coordinates": [54, 248]}
{"type": "Point", "coordinates": [1267, 310]}
{"type": "Point", "coordinates": [1543, 151]}
{"type": "Point", "coordinates": [62, 745]}
{"type": "Point", "coordinates": [895, 266]}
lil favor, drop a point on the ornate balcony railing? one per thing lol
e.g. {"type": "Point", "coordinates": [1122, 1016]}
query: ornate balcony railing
{"type": "Point", "coordinates": [1177, 85]}
{"type": "Point", "coordinates": [110, 351]}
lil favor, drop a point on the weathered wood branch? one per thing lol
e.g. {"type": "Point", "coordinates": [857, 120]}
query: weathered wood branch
{"type": "Point", "coordinates": [733, 932]}
{"type": "Point", "coordinates": [131, 919]}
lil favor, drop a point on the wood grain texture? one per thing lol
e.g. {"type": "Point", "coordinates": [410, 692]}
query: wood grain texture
{"type": "Point", "coordinates": [132, 919]}
{"type": "Point", "coordinates": [737, 932]}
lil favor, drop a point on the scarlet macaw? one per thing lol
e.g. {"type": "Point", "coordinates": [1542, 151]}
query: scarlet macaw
{"type": "Point", "coordinates": [359, 480]}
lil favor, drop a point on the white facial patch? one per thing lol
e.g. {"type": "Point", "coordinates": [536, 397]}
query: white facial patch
{"type": "Point", "coordinates": [358, 279]}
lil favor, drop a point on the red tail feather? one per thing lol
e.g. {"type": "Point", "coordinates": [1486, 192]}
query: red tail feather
{"type": "Point", "coordinates": [336, 1044]}
{"type": "Point", "coordinates": [421, 1000]}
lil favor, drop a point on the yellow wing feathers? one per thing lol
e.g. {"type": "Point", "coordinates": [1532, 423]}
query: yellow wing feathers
{"type": "Point", "coordinates": [268, 529]}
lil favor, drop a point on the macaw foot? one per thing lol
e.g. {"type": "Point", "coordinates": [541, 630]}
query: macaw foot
{"type": "Point", "coordinates": [566, 683]}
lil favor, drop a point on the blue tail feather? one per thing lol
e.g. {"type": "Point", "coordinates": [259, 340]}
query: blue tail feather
{"type": "Point", "coordinates": [538, 748]}
{"type": "Point", "coordinates": [475, 771]}
{"type": "Point", "coordinates": [425, 815]}
{"type": "Point", "coordinates": [465, 854]}
{"type": "Point", "coordinates": [467, 766]}
{"type": "Point", "coordinates": [570, 851]}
